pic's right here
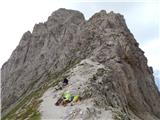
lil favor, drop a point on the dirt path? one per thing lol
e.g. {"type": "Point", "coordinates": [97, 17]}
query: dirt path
{"type": "Point", "coordinates": [77, 81]}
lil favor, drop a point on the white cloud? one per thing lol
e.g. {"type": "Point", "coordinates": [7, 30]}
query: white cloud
{"type": "Point", "coordinates": [152, 52]}
{"type": "Point", "coordinates": [18, 16]}
{"type": "Point", "coordinates": [157, 78]}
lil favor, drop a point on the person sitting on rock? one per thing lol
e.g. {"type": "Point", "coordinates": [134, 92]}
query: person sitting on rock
{"type": "Point", "coordinates": [64, 99]}
{"type": "Point", "coordinates": [62, 84]}
{"type": "Point", "coordinates": [69, 98]}
{"type": "Point", "coordinates": [65, 82]}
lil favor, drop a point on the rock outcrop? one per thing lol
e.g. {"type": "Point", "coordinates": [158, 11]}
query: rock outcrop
{"type": "Point", "coordinates": [66, 38]}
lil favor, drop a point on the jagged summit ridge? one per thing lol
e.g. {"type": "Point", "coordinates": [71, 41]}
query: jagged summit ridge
{"type": "Point", "coordinates": [66, 38]}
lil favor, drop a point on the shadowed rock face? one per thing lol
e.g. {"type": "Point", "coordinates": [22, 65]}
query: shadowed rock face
{"type": "Point", "coordinates": [67, 37]}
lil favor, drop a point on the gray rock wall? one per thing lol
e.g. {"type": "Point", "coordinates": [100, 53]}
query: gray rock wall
{"type": "Point", "coordinates": [67, 37]}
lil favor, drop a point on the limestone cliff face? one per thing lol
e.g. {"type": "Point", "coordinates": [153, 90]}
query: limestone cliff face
{"type": "Point", "coordinates": [67, 37]}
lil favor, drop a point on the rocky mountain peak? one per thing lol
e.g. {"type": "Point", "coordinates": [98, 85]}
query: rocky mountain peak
{"type": "Point", "coordinates": [67, 41]}
{"type": "Point", "coordinates": [109, 20]}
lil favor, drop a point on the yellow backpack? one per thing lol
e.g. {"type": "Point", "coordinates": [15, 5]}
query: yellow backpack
{"type": "Point", "coordinates": [75, 99]}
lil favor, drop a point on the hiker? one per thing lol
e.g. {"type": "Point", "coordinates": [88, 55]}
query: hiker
{"type": "Point", "coordinates": [65, 82]}
{"type": "Point", "coordinates": [64, 99]}
{"type": "Point", "coordinates": [69, 98]}
{"type": "Point", "coordinates": [61, 85]}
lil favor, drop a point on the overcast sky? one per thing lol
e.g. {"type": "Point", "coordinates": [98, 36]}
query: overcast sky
{"type": "Point", "coordinates": [142, 18]}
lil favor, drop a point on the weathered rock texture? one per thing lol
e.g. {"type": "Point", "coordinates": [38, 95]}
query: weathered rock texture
{"type": "Point", "coordinates": [67, 37]}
